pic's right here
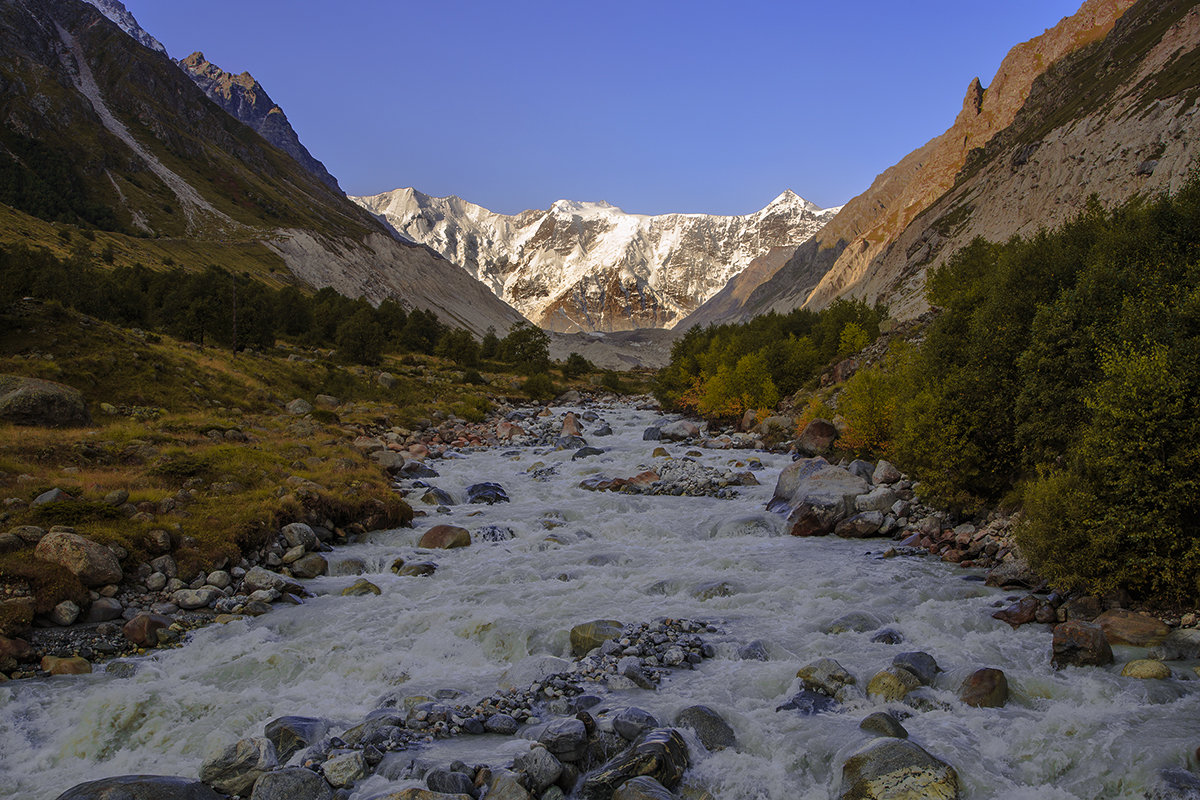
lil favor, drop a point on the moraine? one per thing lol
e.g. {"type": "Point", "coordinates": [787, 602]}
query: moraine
{"type": "Point", "coordinates": [1082, 732]}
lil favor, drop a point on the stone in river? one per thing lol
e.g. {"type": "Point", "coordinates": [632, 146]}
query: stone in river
{"type": "Point", "coordinates": [539, 768]}
{"type": "Point", "coordinates": [345, 769]}
{"type": "Point", "coordinates": [235, 768]}
{"type": "Point", "coordinates": [360, 587]}
{"type": "Point", "coordinates": [855, 621]}
{"type": "Point", "coordinates": [920, 664]}
{"type": "Point", "coordinates": [503, 724]}
{"type": "Point", "coordinates": [292, 783]}
{"type": "Point", "coordinates": [643, 788]}
{"type": "Point", "coordinates": [1122, 626]}
{"type": "Point", "coordinates": [1174, 783]}
{"type": "Point", "coordinates": [290, 735]}
{"type": "Point", "coordinates": [565, 739]}
{"type": "Point", "coordinates": [1019, 613]}
{"type": "Point", "coordinates": [1181, 643]}
{"type": "Point", "coordinates": [825, 676]}
{"type": "Point", "coordinates": [143, 629]}
{"type": "Point", "coordinates": [892, 684]}
{"type": "Point", "coordinates": [632, 722]}
{"type": "Point", "coordinates": [881, 723]}
{"type": "Point", "coordinates": [486, 493]}
{"type": "Point", "coordinates": [449, 782]}
{"type": "Point", "coordinates": [141, 787]}
{"type": "Point", "coordinates": [310, 566]}
{"type": "Point", "coordinates": [1146, 669]}
{"type": "Point", "coordinates": [985, 688]}
{"type": "Point", "coordinates": [1080, 644]}
{"type": "Point", "coordinates": [72, 665]}
{"type": "Point", "coordinates": [897, 769]}
{"type": "Point", "coordinates": [590, 635]}
{"type": "Point", "coordinates": [445, 537]}
{"type": "Point", "coordinates": [807, 702]}
{"type": "Point", "coordinates": [661, 755]}
{"type": "Point", "coordinates": [712, 730]}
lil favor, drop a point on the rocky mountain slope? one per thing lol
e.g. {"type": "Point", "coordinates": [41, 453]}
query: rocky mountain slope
{"type": "Point", "coordinates": [1102, 103]}
{"type": "Point", "coordinates": [115, 10]}
{"type": "Point", "coordinates": [593, 267]}
{"type": "Point", "coordinates": [103, 134]}
{"type": "Point", "coordinates": [248, 101]}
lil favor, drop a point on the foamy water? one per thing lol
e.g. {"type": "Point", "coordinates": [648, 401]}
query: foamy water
{"type": "Point", "coordinates": [1086, 733]}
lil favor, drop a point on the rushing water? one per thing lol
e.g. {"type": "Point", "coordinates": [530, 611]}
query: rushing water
{"type": "Point", "coordinates": [1085, 733]}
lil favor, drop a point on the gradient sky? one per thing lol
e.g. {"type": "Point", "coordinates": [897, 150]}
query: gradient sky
{"type": "Point", "coordinates": [653, 106]}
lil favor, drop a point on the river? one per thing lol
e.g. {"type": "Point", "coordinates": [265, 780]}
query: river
{"type": "Point", "coordinates": [1079, 733]}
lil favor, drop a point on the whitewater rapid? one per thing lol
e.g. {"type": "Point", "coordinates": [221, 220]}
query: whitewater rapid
{"type": "Point", "coordinates": [1079, 733]}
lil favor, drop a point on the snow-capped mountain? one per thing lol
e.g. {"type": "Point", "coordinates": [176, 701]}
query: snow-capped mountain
{"type": "Point", "coordinates": [115, 10]}
{"type": "Point", "coordinates": [591, 266]}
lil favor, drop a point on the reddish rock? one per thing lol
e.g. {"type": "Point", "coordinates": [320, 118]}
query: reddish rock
{"type": "Point", "coordinates": [13, 652]}
{"type": "Point", "coordinates": [1122, 626]}
{"type": "Point", "coordinates": [143, 629]}
{"type": "Point", "coordinates": [73, 665]}
{"type": "Point", "coordinates": [985, 688]}
{"type": "Point", "coordinates": [570, 426]}
{"type": "Point", "coordinates": [445, 537]}
{"type": "Point", "coordinates": [817, 437]}
{"type": "Point", "coordinates": [1080, 644]}
{"type": "Point", "coordinates": [1019, 613]}
{"type": "Point", "coordinates": [93, 563]}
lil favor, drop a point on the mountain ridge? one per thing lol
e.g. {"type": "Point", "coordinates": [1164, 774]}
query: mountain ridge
{"type": "Point", "coordinates": [589, 265]}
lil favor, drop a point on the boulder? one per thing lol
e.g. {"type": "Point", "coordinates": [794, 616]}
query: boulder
{"type": "Point", "coordinates": [679, 430]}
{"type": "Point", "coordinates": [885, 473]}
{"type": "Point", "coordinates": [189, 599]}
{"type": "Point", "coordinates": [93, 563]}
{"type": "Point", "coordinates": [1181, 643]}
{"type": "Point", "coordinates": [711, 729]}
{"type": "Point", "coordinates": [1146, 669]}
{"type": "Point", "coordinates": [1080, 644]}
{"type": "Point", "coordinates": [33, 401]}
{"type": "Point", "coordinates": [51, 496]}
{"type": "Point", "coordinates": [662, 755]}
{"type": "Point", "coordinates": [70, 665]}
{"type": "Point", "coordinates": [1122, 626]}
{"type": "Point", "coordinates": [570, 426]}
{"type": "Point", "coordinates": [64, 613]}
{"type": "Point", "coordinates": [141, 787]}
{"type": "Point", "coordinates": [345, 769]}
{"type": "Point", "coordinates": [539, 768]}
{"type": "Point", "coordinates": [985, 688]}
{"type": "Point", "coordinates": [299, 407]}
{"type": "Point", "coordinates": [816, 438]}
{"type": "Point", "coordinates": [920, 664]}
{"type": "Point", "coordinates": [258, 578]}
{"type": "Point", "coordinates": [445, 537]}
{"type": "Point", "coordinates": [816, 495]}
{"type": "Point", "coordinates": [897, 769]}
{"type": "Point", "coordinates": [310, 566]}
{"type": "Point", "coordinates": [298, 534]}
{"type": "Point", "coordinates": [449, 782]}
{"type": "Point", "coordinates": [1174, 783]}
{"type": "Point", "coordinates": [360, 588]}
{"type": "Point", "coordinates": [565, 739]}
{"type": "Point", "coordinates": [587, 636]}
{"type": "Point", "coordinates": [881, 498]}
{"type": "Point", "coordinates": [1019, 613]}
{"type": "Point", "coordinates": [643, 788]}
{"type": "Point", "coordinates": [860, 526]}
{"type": "Point", "coordinates": [881, 723]}
{"type": "Point", "coordinates": [892, 683]}
{"type": "Point", "coordinates": [234, 769]}
{"type": "Point", "coordinates": [143, 629]}
{"type": "Point", "coordinates": [489, 493]}
{"type": "Point", "coordinates": [505, 785]}
{"type": "Point", "coordinates": [632, 722]}
{"type": "Point", "coordinates": [825, 676]}
{"type": "Point", "coordinates": [1015, 574]}
{"type": "Point", "coordinates": [290, 735]}
{"type": "Point", "coordinates": [292, 783]}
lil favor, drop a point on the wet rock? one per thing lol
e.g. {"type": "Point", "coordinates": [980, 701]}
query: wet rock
{"type": "Point", "coordinates": [489, 493]}
{"type": "Point", "coordinates": [143, 629]}
{"type": "Point", "coordinates": [70, 665]}
{"type": "Point", "coordinates": [816, 495]}
{"type": "Point", "coordinates": [1019, 613]}
{"type": "Point", "coordinates": [570, 425]}
{"type": "Point", "coordinates": [807, 702]}
{"type": "Point", "coordinates": [345, 769]}
{"type": "Point", "coordinates": [712, 730]}
{"type": "Point", "coordinates": [1146, 669]}
{"type": "Point", "coordinates": [817, 437]}
{"type": "Point", "coordinates": [506, 785]}
{"type": "Point", "coordinates": [416, 469]}
{"type": "Point", "coordinates": [539, 768]}
{"type": "Point", "coordinates": [860, 526]}
{"type": "Point", "coordinates": [414, 569]}
{"type": "Point", "coordinates": [1015, 574]}
{"type": "Point", "coordinates": [892, 684]}
{"type": "Point", "coordinates": [104, 609]}
{"type": "Point", "coordinates": [33, 401]}
{"type": "Point", "coordinates": [565, 739]}
{"type": "Point", "coordinates": [710, 589]}
{"type": "Point", "coordinates": [1080, 644]}
{"type": "Point", "coordinates": [310, 566]}
{"type": "Point", "coordinates": [1181, 643]}
{"type": "Point", "coordinates": [502, 724]}
{"type": "Point", "coordinates": [64, 613]}
{"type": "Point", "coordinates": [437, 497]}
{"type": "Point", "coordinates": [661, 755]}
{"type": "Point", "coordinates": [234, 769]}
{"type": "Point", "coordinates": [919, 664]}
{"type": "Point", "coordinates": [643, 788]}
{"type": "Point", "coordinates": [985, 688]}
{"type": "Point", "coordinates": [292, 783]}
{"type": "Point", "coordinates": [632, 722]}
{"type": "Point", "coordinates": [590, 635]}
{"type": "Point", "coordinates": [445, 537]}
{"type": "Point", "coordinates": [141, 787]}
{"type": "Point", "coordinates": [93, 563]}
{"type": "Point", "coordinates": [494, 533]}
{"type": "Point", "coordinates": [897, 769]}
{"type": "Point", "coordinates": [881, 723]}
{"type": "Point", "coordinates": [450, 782]}
{"type": "Point", "coordinates": [290, 735]}
{"type": "Point", "coordinates": [258, 578]}
{"type": "Point", "coordinates": [887, 636]}
{"type": "Point", "coordinates": [569, 442]}
{"type": "Point", "coordinates": [651, 435]}
{"type": "Point", "coordinates": [855, 621]}
{"type": "Point", "coordinates": [1122, 626]}
{"type": "Point", "coordinates": [359, 588]}
{"type": "Point", "coordinates": [298, 534]}
{"type": "Point", "coordinates": [586, 452]}
{"type": "Point", "coordinates": [1174, 783]}
{"type": "Point", "coordinates": [754, 651]}
{"type": "Point", "coordinates": [679, 430]}
{"type": "Point", "coordinates": [604, 430]}
{"type": "Point", "coordinates": [825, 676]}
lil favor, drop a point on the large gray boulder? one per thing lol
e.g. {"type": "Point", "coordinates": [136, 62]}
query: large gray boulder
{"type": "Point", "coordinates": [662, 755]}
{"type": "Point", "coordinates": [234, 769]}
{"type": "Point", "coordinates": [91, 562]}
{"type": "Point", "coordinates": [140, 787]}
{"type": "Point", "coordinates": [292, 783]}
{"type": "Point", "coordinates": [33, 401]}
{"type": "Point", "coordinates": [815, 495]}
{"type": "Point", "coordinates": [896, 769]}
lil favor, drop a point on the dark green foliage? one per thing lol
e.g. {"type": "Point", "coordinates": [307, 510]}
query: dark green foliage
{"type": "Point", "coordinates": [540, 387]}
{"type": "Point", "coordinates": [724, 370]}
{"type": "Point", "coordinates": [360, 338]}
{"type": "Point", "coordinates": [1068, 364]}
{"type": "Point", "coordinates": [611, 380]}
{"type": "Point", "coordinates": [576, 366]}
{"type": "Point", "coordinates": [490, 346]}
{"type": "Point", "coordinates": [75, 512]}
{"type": "Point", "coordinates": [526, 347]}
{"type": "Point", "coordinates": [43, 181]}
{"type": "Point", "coordinates": [459, 346]}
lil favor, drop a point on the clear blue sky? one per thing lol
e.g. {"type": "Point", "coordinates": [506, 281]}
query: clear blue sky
{"type": "Point", "coordinates": [653, 106]}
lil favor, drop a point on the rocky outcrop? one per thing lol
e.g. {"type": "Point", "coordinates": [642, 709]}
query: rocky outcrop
{"type": "Point", "coordinates": [593, 267]}
{"type": "Point", "coordinates": [1024, 152]}
{"type": "Point", "coordinates": [247, 101]}
{"type": "Point", "coordinates": [33, 401]}
{"type": "Point", "coordinates": [93, 563]}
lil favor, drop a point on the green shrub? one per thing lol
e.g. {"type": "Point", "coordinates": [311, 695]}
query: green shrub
{"type": "Point", "coordinates": [539, 387]}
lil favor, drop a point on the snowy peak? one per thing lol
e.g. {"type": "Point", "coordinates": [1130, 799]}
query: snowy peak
{"type": "Point", "coordinates": [120, 16]}
{"type": "Point", "coordinates": [589, 266]}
